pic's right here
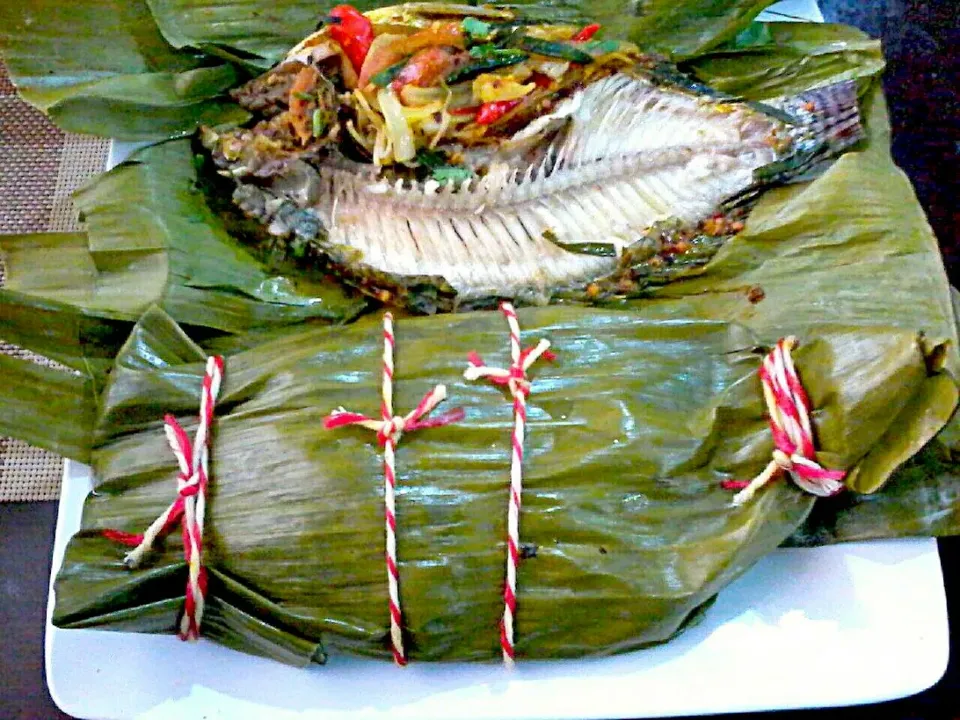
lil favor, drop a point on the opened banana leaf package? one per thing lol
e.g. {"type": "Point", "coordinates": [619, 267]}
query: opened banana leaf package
{"type": "Point", "coordinates": [438, 332]}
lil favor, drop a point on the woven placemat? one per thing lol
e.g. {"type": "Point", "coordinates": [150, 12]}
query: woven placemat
{"type": "Point", "coordinates": [40, 167]}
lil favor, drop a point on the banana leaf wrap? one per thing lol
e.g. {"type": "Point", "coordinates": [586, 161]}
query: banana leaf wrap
{"type": "Point", "coordinates": [630, 433]}
{"type": "Point", "coordinates": [652, 403]}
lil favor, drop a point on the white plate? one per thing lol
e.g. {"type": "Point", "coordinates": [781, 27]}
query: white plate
{"type": "Point", "coordinates": [843, 625]}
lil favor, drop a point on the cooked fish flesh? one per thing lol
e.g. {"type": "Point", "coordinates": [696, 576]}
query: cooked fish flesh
{"type": "Point", "coordinates": [557, 192]}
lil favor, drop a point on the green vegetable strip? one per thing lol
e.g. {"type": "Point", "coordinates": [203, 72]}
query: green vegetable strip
{"type": "Point", "coordinates": [500, 59]}
{"type": "Point", "coordinates": [562, 50]}
{"type": "Point", "coordinates": [385, 77]}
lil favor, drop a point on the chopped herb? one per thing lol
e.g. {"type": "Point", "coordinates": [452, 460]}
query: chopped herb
{"type": "Point", "coordinates": [476, 28]}
{"type": "Point", "coordinates": [488, 50]}
{"type": "Point", "coordinates": [452, 173]}
{"type": "Point", "coordinates": [305, 96]}
{"type": "Point", "coordinates": [431, 159]}
{"type": "Point", "coordinates": [436, 162]}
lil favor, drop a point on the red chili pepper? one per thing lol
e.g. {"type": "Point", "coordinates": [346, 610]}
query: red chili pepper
{"type": "Point", "coordinates": [541, 80]}
{"type": "Point", "coordinates": [588, 32]}
{"type": "Point", "coordinates": [473, 110]}
{"type": "Point", "coordinates": [490, 112]}
{"type": "Point", "coordinates": [353, 31]}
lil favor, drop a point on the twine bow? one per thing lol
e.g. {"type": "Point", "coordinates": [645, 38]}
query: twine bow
{"type": "Point", "coordinates": [794, 453]}
{"type": "Point", "coordinates": [515, 378]}
{"type": "Point", "coordinates": [390, 428]}
{"type": "Point", "coordinates": [189, 507]}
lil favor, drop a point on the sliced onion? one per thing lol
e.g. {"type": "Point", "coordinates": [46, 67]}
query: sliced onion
{"type": "Point", "coordinates": [415, 96]}
{"type": "Point", "coordinates": [401, 137]}
{"type": "Point", "coordinates": [419, 114]}
{"type": "Point", "coordinates": [490, 87]}
{"type": "Point", "coordinates": [554, 69]}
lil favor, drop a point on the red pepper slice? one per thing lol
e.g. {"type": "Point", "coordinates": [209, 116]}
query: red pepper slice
{"type": "Point", "coordinates": [541, 80]}
{"type": "Point", "coordinates": [473, 110]}
{"type": "Point", "coordinates": [426, 67]}
{"type": "Point", "coordinates": [490, 112]}
{"type": "Point", "coordinates": [588, 32]}
{"type": "Point", "coordinates": [353, 31]}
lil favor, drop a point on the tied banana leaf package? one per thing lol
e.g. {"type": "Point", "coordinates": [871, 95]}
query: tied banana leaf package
{"type": "Point", "coordinates": [207, 243]}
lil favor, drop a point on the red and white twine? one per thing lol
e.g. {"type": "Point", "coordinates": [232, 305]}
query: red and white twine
{"type": "Point", "coordinates": [389, 430]}
{"type": "Point", "coordinates": [789, 409]}
{"type": "Point", "coordinates": [515, 378]}
{"type": "Point", "coordinates": [189, 507]}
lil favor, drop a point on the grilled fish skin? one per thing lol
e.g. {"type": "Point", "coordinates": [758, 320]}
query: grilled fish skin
{"type": "Point", "coordinates": [614, 159]}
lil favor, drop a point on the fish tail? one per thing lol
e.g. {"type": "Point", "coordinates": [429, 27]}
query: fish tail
{"type": "Point", "coordinates": [831, 116]}
{"type": "Point", "coordinates": [826, 124]}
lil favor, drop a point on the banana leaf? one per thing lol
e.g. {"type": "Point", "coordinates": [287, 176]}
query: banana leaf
{"type": "Point", "coordinates": [102, 67]}
{"type": "Point", "coordinates": [632, 431]}
{"type": "Point", "coordinates": [794, 57]}
{"type": "Point", "coordinates": [151, 239]}
{"type": "Point", "coordinates": [654, 401]}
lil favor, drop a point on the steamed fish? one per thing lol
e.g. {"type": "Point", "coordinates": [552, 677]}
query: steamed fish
{"type": "Point", "coordinates": [447, 156]}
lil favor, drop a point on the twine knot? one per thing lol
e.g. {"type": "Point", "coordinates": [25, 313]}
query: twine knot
{"type": "Point", "coordinates": [794, 452]}
{"type": "Point", "coordinates": [514, 377]}
{"type": "Point", "coordinates": [189, 507]}
{"type": "Point", "coordinates": [188, 486]}
{"type": "Point", "coordinates": [390, 429]}
{"type": "Point", "coordinates": [783, 461]}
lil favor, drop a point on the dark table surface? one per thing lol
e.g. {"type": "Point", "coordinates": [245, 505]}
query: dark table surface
{"type": "Point", "coordinates": [923, 88]}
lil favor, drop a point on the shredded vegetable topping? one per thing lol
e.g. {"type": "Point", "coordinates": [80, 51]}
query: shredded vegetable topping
{"type": "Point", "coordinates": [381, 90]}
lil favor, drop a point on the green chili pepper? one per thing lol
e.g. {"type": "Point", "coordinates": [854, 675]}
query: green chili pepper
{"type": "Point", "coordinates": [387, 76]}
{"type": "Point", "coordinates": [562, 50]}
{"type": "Point", "coordinates": [601, 46]}
{"type": "Point", "coordinates": [491, 61]}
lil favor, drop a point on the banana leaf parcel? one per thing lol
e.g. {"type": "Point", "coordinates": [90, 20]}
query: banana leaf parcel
{"type": "Point", "coordinates": [633, 430]}
{"type": "Point", "coordinates": [653, 401]}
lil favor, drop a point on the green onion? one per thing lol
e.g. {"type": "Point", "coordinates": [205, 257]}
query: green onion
{"type": "Point", "coordinates": [591, 248]}
{"type": "Point", "coordinates": [305, 96]}
{"type": "Point", "coordinates": [319, 122]}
